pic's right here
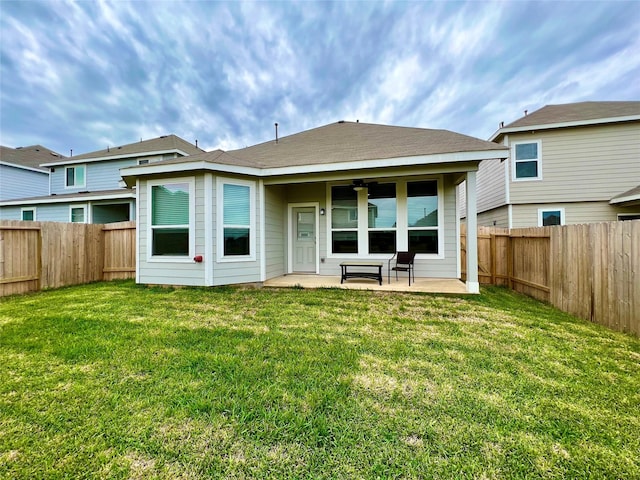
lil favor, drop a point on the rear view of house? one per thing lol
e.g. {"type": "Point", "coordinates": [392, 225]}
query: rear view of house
{"type": "Point", "coordinates": [569, 164]}
{"type": "Point", "coordinates": [306, 202]}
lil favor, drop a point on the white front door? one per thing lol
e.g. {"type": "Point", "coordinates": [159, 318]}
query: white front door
{"type": "Point", "coordinates": [303, 241]}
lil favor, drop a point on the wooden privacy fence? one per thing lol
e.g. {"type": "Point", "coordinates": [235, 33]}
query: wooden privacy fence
{"type": "Point", "coordinates": [39, 255]}
{"type": "Point", "coordinates": [591, 271]}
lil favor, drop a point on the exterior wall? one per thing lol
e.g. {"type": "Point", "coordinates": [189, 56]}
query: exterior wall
{"type": "Point", "coordinates": [54, 212]}
{"type": "Point", "coordinates": [98, 176]}
{"type": "Point", "coordinates": [491, 184]}
{"type": "Point", "coordinates": [183, 272]}
{"type": "Point", "coordinates": [574, 213]}
{"type": "Point", "coordinates": [229, 272]}
{"type": "Point", "coordinates": [186, 271]}
{"type": "Point", "coordinates": [20, 183]}
{"type": "Point", "coordinates": [492, 190]}
{"type": "Point", "coordinates": [275, 231]}
{"type": "Point", "coordinates": [581, 164]}
{"type": "Point", "coordinates": [497, 217]}
{"type": "Point", "coordinates": [59, 212]}
{"type": "Point", "coordinates": [444, 267]}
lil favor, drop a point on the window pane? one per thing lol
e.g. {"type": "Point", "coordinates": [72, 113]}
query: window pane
{"type": "Point", "coordinates": [382, 241]}
{"type": "Point", "coordinates": [27, 215]}
{"type": "Point", "coordinates": [526, 151]}
{"type": "Point", "coordinates": [236, 241]}
{"type": "Point", "coordinates": [70, 177]}
{"type": "Point", "coordinates": [344, 207]}
{"type": "Point", "coordinates": [382, 206]}
{"type": "Point", "coordinates": [423, 241]}
{"type": "Point", "coordinates": [344, 242]}
{"type": "Point", "coordinates": [170, 204]}
{"type": "Point", "coordinates": [236, 204]}
{"type": "Point", "coordinates": [79, 174]}
{"type": "Point", "coordinates": [526, 169]}
{"type": "Point", "coordinates": [77, 215]}
{"type": "Point", "coordinates": [551, 218]}
{"type": "Point", "coordinates": [422, 204]}
{"type": "Point", "coordinates": [171, 241]}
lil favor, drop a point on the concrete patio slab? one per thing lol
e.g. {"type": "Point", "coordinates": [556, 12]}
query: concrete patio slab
{"type": "Point", "coordinates": [422, 285]}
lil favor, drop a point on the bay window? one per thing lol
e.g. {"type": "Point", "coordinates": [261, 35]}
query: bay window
{"type": "Point", "coordinates": [236, 209]}
{"type": "Point", "coordinates": [171, 215]}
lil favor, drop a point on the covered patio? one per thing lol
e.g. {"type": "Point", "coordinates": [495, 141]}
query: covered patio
{"type": "Point", "coordinates": [421, 285]}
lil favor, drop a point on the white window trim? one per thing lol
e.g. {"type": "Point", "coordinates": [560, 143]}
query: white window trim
{"type": "Point", "coordinates": [514, 161]}
{"type": "Point", "coordinates": [76, 186]}
{"type": "Point", "coordinates": [402, 227]}
{"type": "Point", "coordinates": [541, 211]}
{"type": "Point", "coordinates": [28, 209]}
{"type": "Point", "coordinates": [192, 221]}
{"type": "Point", "coordinates": [73, 207]}
{"type": "Point", "coordinates": [220, 257]}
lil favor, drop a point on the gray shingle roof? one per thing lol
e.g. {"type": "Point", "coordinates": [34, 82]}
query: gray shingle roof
{"type": "Point", "coordinates": [163, 143]}
{"type": "Point", "coordinates": [31, 156]}
{"type": "Point", "coordinates": [574, 112]}
{"type": "Point", "coordinates": [344, 142]}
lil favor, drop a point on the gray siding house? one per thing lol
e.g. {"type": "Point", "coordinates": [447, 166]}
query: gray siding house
{"type": "Point", "coordinates": [88, 188]}
{"type": "Point", "coordinates": [21, 174]}
{"type": "Point", "coordinates": [569, 164]}
{"type": "Point", "coordinates": [306, 202]}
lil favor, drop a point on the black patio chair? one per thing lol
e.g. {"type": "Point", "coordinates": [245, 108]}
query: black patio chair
{"type": "Point", "coordinates": [403, 262]}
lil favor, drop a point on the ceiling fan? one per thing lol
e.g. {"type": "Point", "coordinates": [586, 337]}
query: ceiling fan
{"type": "Point", "coordinates": [360, 184]}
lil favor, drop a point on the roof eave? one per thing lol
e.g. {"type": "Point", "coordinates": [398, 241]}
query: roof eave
{"type": "Point", "coordinates": [127, 194]}
{"type": "Point", "coordinates": [549, 126]}
{"type": "Point", "coordinates": [71, 160]}
{"type": "Point", "coordinates": [129, 174]}
{"type": "Point", "coordinates": [24, 167]}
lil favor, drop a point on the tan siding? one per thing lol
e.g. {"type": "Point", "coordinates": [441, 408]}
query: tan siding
{"type": "Point", "coordinates": [498, 215]}
{"type": "Point", "coordinates": [491, 184]}
{"type": "Point", "coordinates": [574, 213]}
{"type": "Point", "coordinates": [582, 164]}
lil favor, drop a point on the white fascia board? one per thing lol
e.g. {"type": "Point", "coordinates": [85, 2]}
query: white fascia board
{"type": "Point", "coordinates": [65, 199]}
{"type": "Point", "coordinates": [577, 123]}
{"type": "Point", "coordinates": [23, 167]}
{"type": "Point", "coordinates": [420, 160]}
{"type": "Point", "coordinates": [71, 161]}
{"type": "Point", "coordinates": [628, 198]}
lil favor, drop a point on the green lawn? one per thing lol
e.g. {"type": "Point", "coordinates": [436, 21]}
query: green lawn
{"type": "Point", "coordinates": [114, 380]}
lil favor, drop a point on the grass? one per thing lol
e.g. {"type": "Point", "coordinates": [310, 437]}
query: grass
{"type": "Point", "coordinates": [114, 380]}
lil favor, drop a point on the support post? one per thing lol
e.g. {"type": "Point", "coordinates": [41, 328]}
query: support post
{"type": "Point", "coordinates": [473, 286]}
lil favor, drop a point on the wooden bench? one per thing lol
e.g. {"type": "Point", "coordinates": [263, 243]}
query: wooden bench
{"type": "Point", "coordinates": [361, 271]}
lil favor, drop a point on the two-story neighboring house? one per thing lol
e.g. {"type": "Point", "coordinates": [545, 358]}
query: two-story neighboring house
{"type": "Point", "coordinates": [569, 164]}
{"type": "Point", "coordinates": [21, 174]}
{"type": "Point", "coordinates": [87, 188]}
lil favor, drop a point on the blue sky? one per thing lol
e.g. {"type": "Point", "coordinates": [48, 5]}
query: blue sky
{"type": "Point", "coordinates": [87, 75]}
